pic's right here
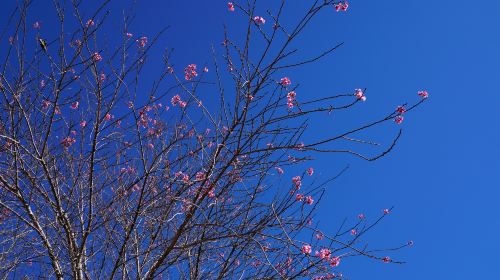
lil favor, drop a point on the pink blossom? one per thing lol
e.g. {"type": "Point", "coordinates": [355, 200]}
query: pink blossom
{"type": "Point", "coordinates": [170, 70]}
{"type": "Point", "coordinates": [74, 105]}
{"type": "Point", "coordinates": [306, 249]}
{"type": "Point", "coordinates": [342, 6]}
{"type": "Point", "coordinates": [90, 23]}
{"type": "Point", "coordinates": [11, 40]}
{"type": "Point", "coordinates": [309, 200]}
{"type": "Point", "coordinates": [108, 117]}
{"type": "Point", "coordinates": [230, 6]}
{"type": "Point", "coordinates": [37, 25]}
{"type": "Point", "coordinates": [45, 104]}
{"type": "Point", "coordinates": [386, 259]}
{"type": "Point", "coordinates": [205, 69]}
{"type": "Point", "coordinates": [141, 42]}
{"type": "Point", "coordinates": [280, 170]}
{"type": "Point", "coordinates": [175, 100]}
{"type": "Point", "coordinates": [398, 119]}
{"type": "Point", "coordinates": [96, 57]}
{"type": "Point", "coordinates": [361, 216]}
{"type": "Point", "coordinates": [259, 20]}
{"type": "Point", "coordinates": [424, 94]}
{"type": "Point", "coordinates": [401, 109]}
{"type": "Point", "coordinates": [297, 182]}
{"type": "Point", "coordinates": [285, 81]}
{"type": "Point", "coordinates": [310, 171]}
{"type": "Point", "coordinates": [324, 254]}
{"type": "Point", "coordinates": [359, 94]}
{"type": "Point", "coordinates": [83, 123]}
{"type": "Point", "coordinates": [319, 236]}
{"type": "Point", "coordinates": [102, 77]}
{"type": "Point", "coordinates": [354, 232]}
{"type": "Point", "coordinates": [386, 211]}
{"type": "Point", "coordinates": [299, 197]}
{"type": "Point", "coordinates": [129, 35]}
{"type": "Point", "coordinates": [151, 146]}
{"type": "Point", "coordinates": [68, 141]}
{"type": "Point", "coordinates": [182, 104]}
{"type": "Point", "coordinates": [335, 261]}
{"type": "Point", "coordinates": [290, 98]}
{"type": "Point", "coordinates": [190, 72]}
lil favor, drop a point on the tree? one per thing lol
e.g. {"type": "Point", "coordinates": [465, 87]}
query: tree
{"type": "Point", "coordinates": [97, 181]}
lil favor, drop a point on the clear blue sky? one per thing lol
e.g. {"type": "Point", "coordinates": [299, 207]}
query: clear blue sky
{"type": "Point", "coordinates": [442, 177]}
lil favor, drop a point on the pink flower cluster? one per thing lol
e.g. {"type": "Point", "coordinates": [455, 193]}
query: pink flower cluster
{"type": "Point", "coordinates": [285, 81]}
{"type": "Point", "coordinates": [141, 42]}
{"type": "Point", "coordinates": [306, 249]}
{"type": "Point", "coordinates": [297, 182]}
{"type": "Point", "coordinates": [68, 141]}
{"type": "Point", "coordinates": [423, 93]}
{"type": "Point", "coordinates": [96, 57]}
{"type": "Point", "coordinates": [399, 118]}
{"type": "Point", "coordinates": [90, 23]}
{"type": "Point", "coordinates": [190, 72]}
{"type": "Point", "coordinates": [230, 6]}
{"type": "Point", "coordinates": [290, 99]}
{"type": "Point", "coordinates": [360, 95]}
{"type": "Point", "coordinates": [341, 6]}
{"type": "Point", "coordinates": [177, 100]}
{"type": "Point", "coordinates": [259, 20]}
{"type": "Point", "coordinates": [310, 171]}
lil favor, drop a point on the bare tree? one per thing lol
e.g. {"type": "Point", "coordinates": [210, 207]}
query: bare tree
{"type": "Point", "coordinates": [97, 182]}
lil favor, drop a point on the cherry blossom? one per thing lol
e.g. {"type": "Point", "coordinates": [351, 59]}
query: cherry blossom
{"type": "Point", "coordinates": [190, 72]}
{"type": "Point", "coordinates": [299, 197]}
{"type": "Point", "coordinates": [341, 6]}
{"type": "Point", "coordinates": [424, 94]}
{"type": "Point", "coordinates": [306, 249]}
{"type": "Point", "coordinates": [280, 170]}
{"type": "Point", "coordinates": [354, 232]}
{"type": "Point", "coordinates": [37, 25]}
{"type": "Point", "coordinates": [141, 42]}
{"type": "Point", "coordinates": [386, 211]}
{"type": "Point", "coordinates": [205, 69]}
{"type": "Point", "coordinates": [175, 100]}
{"type": "Point", "coordinates": [310, 171]}
{"type": "Point", "coordinates": [259, 20]}
{"type": "Point", "coordinates": [360, 95]}
{"type": "Point", "coordinates": [290, 98]}
{"type": "Point", "coordinates": [324, 254]}
{"type": "Point", "coordinates": [401, 109]}
{"type": "Point", "coordinates": [361, 216]}
{"type": "Point", "coordinates": [386, 259]}
{"type": "Point", "coordinates": [96, 57]}
{"type": "Point", "coordinates": [74, 105]}
{"type": "Point", "coordinates": [398, 119]}
{"type": "Point", "coordinates": [335, 261]}
{"type": "Point", "coordinates": [309, 200]}
{"type": "Point", "coordinates": [108, 117]}
{"type": "Point", "coordinates": [68, 141]}
{"type": "Point", "coordinates": [90, 23]}
{"type": "Point", "coordinates": [83, 123]}
{"type": "Point", "coordinates": [230, 6]}
{"type": "Point", "coordinates": [129, 35]}
{"type": "Point", "coordinates": [285, 82]}
{"type": "Point", "coordinates": [297, 182]}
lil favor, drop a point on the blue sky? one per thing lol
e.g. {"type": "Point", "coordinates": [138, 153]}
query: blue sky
{"type": "Point", "coordinates": [442, 176]}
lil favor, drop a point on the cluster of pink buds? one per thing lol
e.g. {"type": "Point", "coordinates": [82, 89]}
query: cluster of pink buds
{"type": "Point", "coordinates": [341, 6]}
{"type": "Point", "coordinates": [190, 72]}
{"type": "Point", "coordinates": [96, 57]}
{"type": "Point", "coordinates": [360, 95]}
{"type": "Point", "coordinates": [141, 42]}
{"type": "Point", "coordinates": [306, 249]}
{"type": "Point", "coordinates": [74, 105]}
{"type": "Point", "coordinates": [230, 6]}
{"type": "Point", "coordinates": [310, 171]}
{"type": "Point", "coordinates": [399, 118]}
{"type": "Point", "coordinates": [290, 99]}
{"type": "Point", "coordinates": [259, 20]}
{"type": "Point", "coordinates": [297, 182]}
{"type": "Point", "coordinates": [423, 93]}
{"type": "Point", "coordinates": [285, 81]}
{"type": "Point", "coordinates": [280, 170]}
{"type": "Point", "coordinates": [177, 100]}
{"type": "Point", "coordinates": [68, 141]}
{"type": "Point", "coordinates": [309, 200]}
{"type": "Point", "coordinates": [386, 259]}
{"type": "Point", "coordinates": [361, 216]}
{"type": "Point", "coordinates": [90, 23]}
